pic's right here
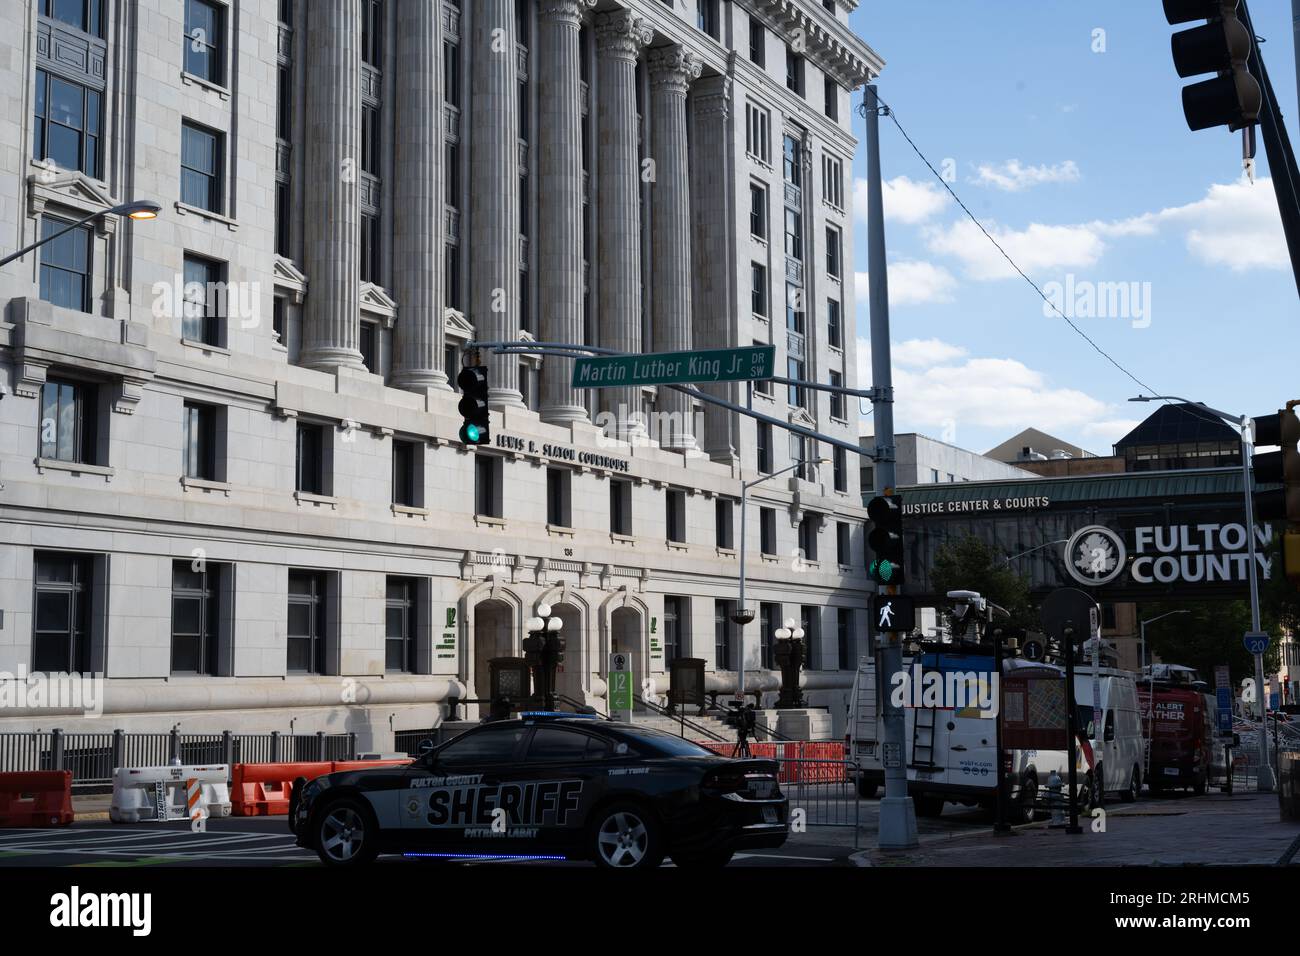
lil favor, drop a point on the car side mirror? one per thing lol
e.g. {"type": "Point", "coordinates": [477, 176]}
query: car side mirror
{"type": "Point", "coordinates": [426, 747]}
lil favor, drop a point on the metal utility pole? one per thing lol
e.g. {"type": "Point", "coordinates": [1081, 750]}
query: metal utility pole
{"type": "Point", "coordinates": [897, 815]}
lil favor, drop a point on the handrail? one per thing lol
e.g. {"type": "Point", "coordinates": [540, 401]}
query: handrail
{"type": "Point", "coordinates": [680, 718]}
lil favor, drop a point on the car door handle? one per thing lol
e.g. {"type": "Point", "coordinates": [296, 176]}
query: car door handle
{"type": "Point", "coordinates": [959, 747]}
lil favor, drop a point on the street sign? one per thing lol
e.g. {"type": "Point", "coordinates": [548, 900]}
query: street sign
{"type": "Point", "coordinates": [620, 686]}
{"type": "Point", "coordinates": [893, 612]}
{"type": "Point", "coordinates": [675, 368]}
{"type": "Point", "coordinates": [1033, 650]}
{"type": "Point", "coordinates": [891, 756]}
{"type": "Point", "coordinates": [1256, 641]}
{"type": "Point", "coordinates": [1223, 701]}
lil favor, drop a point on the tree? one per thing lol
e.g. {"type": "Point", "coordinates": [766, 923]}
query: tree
{"type": "Point", "coordinates": [1208, 635]}
{"type": "Point", "coordinates": [968, 564]}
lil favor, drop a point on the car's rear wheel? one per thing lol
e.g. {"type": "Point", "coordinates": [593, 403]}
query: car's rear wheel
{"type": "Point", "coordinates": [624, 836]}
{"type": "Point", "coordinates": [1134, 786]}
{"type": "Point", "coordinates": [1201, 785]}
{"type": "Point", "coordinates": [709, 860]}
{"type": "Point", "coordinates": [346, 834]}
{"type": "Point", "coordinates": [1028, 798]}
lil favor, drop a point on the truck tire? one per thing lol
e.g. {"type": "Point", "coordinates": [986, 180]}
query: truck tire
{"type": "Point", "coordinates": [1025, 806]}
{"type": "Point", "coordinates": [1201, 784]}
{"type": "Point", "coordinates": [867, 791]}
{"type": "Point", "coordinates": [928, 806]}
{"type": "Point", "coordinates": [1134, 786]}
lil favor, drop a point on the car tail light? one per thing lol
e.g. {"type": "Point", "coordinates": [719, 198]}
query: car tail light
{"type": "Point", "coordinates": [723, 781]}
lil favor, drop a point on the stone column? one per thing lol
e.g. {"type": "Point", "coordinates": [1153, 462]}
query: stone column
{"type": "Point", "coordinates": [419, 210]}
{"type": "Point", "coordinates": [716, 322]}
{"type": "Point", "coordinates": [332, 211]}
{"type": "Point", "coordinates": [494, 190]}
{"type": "Point", "coordinates": [559, 198]}
{"type": "Point", "coordinates": [672, 70]}
{"type": "Point", "coordinates": [620, 37]}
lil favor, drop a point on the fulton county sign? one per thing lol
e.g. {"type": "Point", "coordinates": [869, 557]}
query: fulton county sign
{"type": "Point", "coordinates": [1167, 554]}
{"type": "Point", "coordinates": [675, 368]}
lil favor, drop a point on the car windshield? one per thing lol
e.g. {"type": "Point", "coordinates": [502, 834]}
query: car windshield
{"type": "Point", "coordinates": [665, 744]}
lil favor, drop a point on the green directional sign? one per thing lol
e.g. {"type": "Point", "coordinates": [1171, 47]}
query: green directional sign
{"type": "Point", "coordinates": [675, 368]}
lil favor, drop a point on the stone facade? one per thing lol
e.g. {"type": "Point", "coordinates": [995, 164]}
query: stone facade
{"type": "Point", "coordinates": [475, 143]}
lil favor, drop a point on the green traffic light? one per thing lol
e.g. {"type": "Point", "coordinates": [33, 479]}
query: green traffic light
{"type": "Point", "coordinates": [472, 432]}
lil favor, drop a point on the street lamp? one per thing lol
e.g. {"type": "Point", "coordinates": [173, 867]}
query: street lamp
{"type": "Point", "coordinates": [1265, 778]}
{"type": "Point", "coordinates": [544, 646]}
{"type": "Point", "coordinates": [743, 614]}
{"type": "Point", "coordinates": [791, 630]}
{"type": "Point", "coordinates": [1151, 699]}
{"type": "Point", "coordinates": [140, 209]}
{"type": "Point", "coordinates": [1010, 558]}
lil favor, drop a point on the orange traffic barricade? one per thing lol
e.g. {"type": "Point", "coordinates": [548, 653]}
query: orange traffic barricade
{"type": "Point", "coordinates": [36, 799]}
{"type": "Point", "coordinates": [263, 789]}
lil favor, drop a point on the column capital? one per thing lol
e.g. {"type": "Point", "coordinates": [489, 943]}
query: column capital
{"type": "Point", "coordinates": [713, 97]}
{"type": "Point", "coordinates": [673, 68]}
{"type": "Point", "coordinates": [565, 11]}
{"type": "Point", "coordinates": [622, 34]}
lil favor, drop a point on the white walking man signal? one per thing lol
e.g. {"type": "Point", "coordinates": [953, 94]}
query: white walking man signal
{"type": "Point", "coordinates": [886, 617]}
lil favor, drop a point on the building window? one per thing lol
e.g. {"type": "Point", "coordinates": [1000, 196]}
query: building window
{"type": "Point", "coordinates": [833, 252]}
{"type": "Point", "coordinates": [796, 395]}
{"type": "Point", "coordinates": [793, 71]}
{"type": "Point", "coordinates": [837, 398]}
{"type": "Point", "coordinates": [310, 476]}
{"type": "Point", "coordinates": [843, 545]}
{"type": "Point", "coordinates": [278, 309]}
{"type": "Point", "coordinates": [794, 234]}
{"type": "Point", "coordinates": [792, 160]}
{"type": "Point", "coordinates": [808, 537]}
{"type": "Point", "coordinates": [65, 265]}
{"type": "Point", "coordinates": [757, 42]}
{"type": "Point", "coordinates": [723, 522]}
{"type": "Point", "coordinates": [833, 181]}
{"type": "Point", "coordinates": [367, 342]}
{"type": "Point", "coordinates": [282, 220]}
{"type": "Point", "coordinates": [400, 625]}
{"type": "Point", "coordinates": [810, 621]}
{"type": "Point", "coordinates": [676, 623]}
{"type": "Point", "coordinates": [200, 441]}
{"type": "Point", "coordinates": [370, 140]}
{"type": "Point", "coordinates": [762, 386]}
{"type": "Point", "coordinates": [763, 448]}
{"type": "Point", "coordinates": [832, 105]}
{"type": "Point", "coordinates": [201, 312]}
{"type": "Point", "coordinates": [369, 248]}
{"type": "Point", "coordinates": [306, 624]}
{"type": "Point", "coordinates": [372, 32]}
{"type": "Point", "coordinates": [758, 291]}
{"type": "Point", "coordinates": [284, 102]}
{"type": "Point", "coordinates": [769, 619]}
{"type": "Point", "coordinates": [558, 490]}
{"type": "Point", "coordinates": [725, 656]}
{"type": "Point", "coordinates": [451, 73]}
{"type": "Point", "coordinates": [200, 167]}
{"type": "Point", "coordinates": [934, 476]}
{"type": "Point", "coordinates": [758, 211]}
{"type": "Point", "coordinates": [757, 124]}
{"type": "Point", "coordinates": [487, 485]}
{"type": "Point", "coordinates": [706, 17]}
{"type": "Point", "coordinates": [204, 31]}
{"type": "Point", "coordinates": [767, 530]}
{"type": "Point", "coordinates": [451, 275]}
{"type": "Point", "coordinates": [841, 469]}
{"type": "Point", "coordinates": [61, 619]}
{"type": "Point", "coordinates": [69, 422]}
{"type": "Point", "coordinates": [408, 483]}
{"type": "Point", "coordinates": [844, 638]}
{"type": "Point", "coordinates": [68, 124]}
{"type": "Point", "coordinates": [451, 173]}
{"type": "Point", "coordinates": [834, 333]}
{"type": "Point", "coordinates": [84, 15]}
{"type": "Point", "coordinates": [529, 386]}
{"type": "Point", "coordinates": [620, 507]}
{"type": "Point", "coordinates": [196, 618]}
{"type": "Point", "coordinates": [675, 515]}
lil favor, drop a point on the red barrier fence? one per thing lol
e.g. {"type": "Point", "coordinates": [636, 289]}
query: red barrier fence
{"type": "Point", "coordinates": [36, 798]}
{"type": "Point", "coordinates": [264, 789]}
{"type": "Point", "coordinates": [802, 761]}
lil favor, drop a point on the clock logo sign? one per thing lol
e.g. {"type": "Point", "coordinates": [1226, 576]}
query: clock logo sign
{"type": "Point", "coordinates": [1095, 555]}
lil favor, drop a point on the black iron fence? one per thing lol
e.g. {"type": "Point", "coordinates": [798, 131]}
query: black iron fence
{"type": "Point", "coordinates": [92, 758]}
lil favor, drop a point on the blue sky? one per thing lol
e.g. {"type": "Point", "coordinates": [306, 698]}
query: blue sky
{"type": "Point", "coordinates": [1080, 159]}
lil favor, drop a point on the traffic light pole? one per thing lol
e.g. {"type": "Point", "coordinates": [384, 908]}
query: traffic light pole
{"type": "Point", "coordinates": [897, 815]}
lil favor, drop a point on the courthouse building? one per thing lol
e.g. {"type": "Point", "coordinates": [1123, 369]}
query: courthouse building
{"type": "Point", "coordinates": [230, 478]}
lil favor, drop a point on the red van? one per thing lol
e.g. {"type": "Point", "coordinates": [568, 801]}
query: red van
{"type": "Point", "coordinates": [1178, 736]}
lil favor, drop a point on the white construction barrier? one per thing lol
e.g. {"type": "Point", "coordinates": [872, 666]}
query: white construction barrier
{"type": "Point", "coordinates": [142, 794]}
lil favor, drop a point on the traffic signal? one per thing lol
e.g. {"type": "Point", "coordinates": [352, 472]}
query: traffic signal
{"type": "Point", "coordinates": [473, 382]}
{"type": "Point", "coordinates": [1280, 467]}
{"type": "Point", "coordinates": [1222, 46]}
{"type": "Point", "coordinates": [886, 539]}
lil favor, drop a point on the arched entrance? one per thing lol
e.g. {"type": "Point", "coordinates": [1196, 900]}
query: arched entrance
{"type": "Point", "coordinates": [625, 638]}
{"type": "Point", "coordinates": [569, 681]}
{"type": "Point", "coordinates": [493, 637]}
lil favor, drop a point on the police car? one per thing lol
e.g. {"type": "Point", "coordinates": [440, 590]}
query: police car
{"type": "Point", "coordinates": [549, 786]}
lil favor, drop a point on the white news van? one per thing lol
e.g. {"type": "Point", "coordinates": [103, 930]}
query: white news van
{"type": "Point", "coordinates": [950, 754]}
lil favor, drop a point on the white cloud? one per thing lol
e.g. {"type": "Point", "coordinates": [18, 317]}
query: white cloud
{"type": "Point", "coordinates": [1014, 176]}
{"type": "Point", "coordinates": [906, 200]}
{"type": "Point", "coordinates": [1036, 248]}
{"type": "Point", "coordinates": [938, 386]}
{"type": "Point", "coordinates": [1110, 431]}
{"type": "Point", "coordinates": [911, 282]}
{"type": "Point", "coordinates": [1236, 225]}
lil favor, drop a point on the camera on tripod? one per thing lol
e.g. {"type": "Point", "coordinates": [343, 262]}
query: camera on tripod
{"type": "Point", "coordinates": [740, 716]}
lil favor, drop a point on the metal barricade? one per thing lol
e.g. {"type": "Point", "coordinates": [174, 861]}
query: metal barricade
{"type": "Point", "coordinates": [821, 791]}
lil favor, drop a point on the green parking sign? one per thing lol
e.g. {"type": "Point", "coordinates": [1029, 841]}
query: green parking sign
{"type": "Point", "coordinates": [620, 686]}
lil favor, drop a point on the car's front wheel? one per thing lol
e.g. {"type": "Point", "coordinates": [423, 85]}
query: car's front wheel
{"type": "Point", "coordinates": [346, 834]}
{"type": "Point", "coordinates": [624, 836]}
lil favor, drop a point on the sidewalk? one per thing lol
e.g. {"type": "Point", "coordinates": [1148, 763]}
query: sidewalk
{"type": "Point", "coordinates": [1212, 830]}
